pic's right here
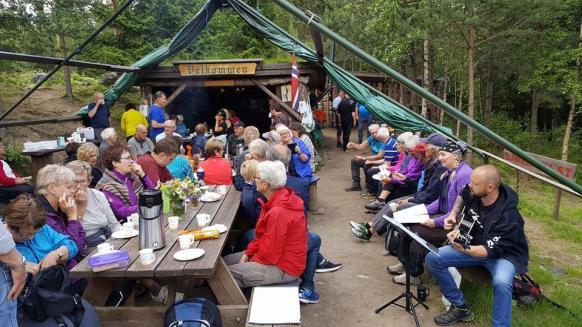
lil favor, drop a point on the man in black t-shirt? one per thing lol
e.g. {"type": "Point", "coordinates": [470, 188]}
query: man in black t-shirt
{"type": "Point", "coordinates": [347, 111]}
{"type": "Point", "coordinates": [498, 244]}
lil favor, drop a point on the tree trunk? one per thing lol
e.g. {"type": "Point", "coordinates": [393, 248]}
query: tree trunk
{"type": "Point", "coordinates": [445, 93]}
{"type": "Point", "coordinates": [460, 107]}
{"type": "Point", "coordinates": [470, 84]}
{"type": "Point", "coordinates": [568, 132]}
{"type": "Point", "coordinates": [66, 69]}
{"type": "Point", "coordinates": [488, 110]}
{"type": "Point", "coordinates": [535, 104]}
{"type": "Point", "coordinates": [425, 76]}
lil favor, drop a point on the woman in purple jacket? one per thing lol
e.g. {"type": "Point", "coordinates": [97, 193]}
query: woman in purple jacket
{"type": "Point", "coordinates": [431, 230]}
{"type": "Point", "coordinates": [122, 181]}
{"type": "Point", "coordinates": [64, 206]}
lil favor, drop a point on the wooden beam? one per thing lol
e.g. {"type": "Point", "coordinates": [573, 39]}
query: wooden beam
{"type": "Point", "coordinates": [290, 111]}
{"type": "Point", "coordinates": [53, 120]}
{"type": "Point", "coordinates": [54, 61]}
{"type": "Point", "coordinates": [174, 95]}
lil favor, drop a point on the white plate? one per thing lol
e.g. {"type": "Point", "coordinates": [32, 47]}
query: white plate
{"type": "Point", "coordinates": [123, 234]}
{"type": "Point", "coordinates": [377, 177]}
{"type": "Point", "coordinates": [219, 227]}
{"type": "Point", "coordinates": [189, 254]}
{"type": "Point", "coordinates": [210, 197]}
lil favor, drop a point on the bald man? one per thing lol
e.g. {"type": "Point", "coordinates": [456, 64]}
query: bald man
{"type": "Point", "coordinates": [497, 243]}
{"type": "Point", "coordinates": [140, 144]}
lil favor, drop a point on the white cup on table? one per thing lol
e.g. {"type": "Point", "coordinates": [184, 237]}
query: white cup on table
{"type": "Point", "coordinates": [173, 222]}
{"type": "Point", "coordinates": [128, 227]}
{"type": "Point", "coordinates": [147, 256]}
{"type": "Point", "coordinates": [104, 248]}
{"type": "Point", "coordinates": [222, 189]}
{"type": "Point", "coordinates": [202, 219]}
{"type": "Point", "coordinates": [133, 218]}
{"type": "Point", "coordinates": [186, 241]}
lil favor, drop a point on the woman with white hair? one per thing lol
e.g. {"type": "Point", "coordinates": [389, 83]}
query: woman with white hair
{"type": "Point", "coordinates": [278, 253]}
{"type": "Point", "coordinates": [89, 153]}
{"type": "Point", "coordinates": [403, 179]}
{"type": "Point", "coordinates": [64, 204]}
{"type": "Point", "coordinates": [108, 138]}
{"type": "Point", "coordinates": [301, 156]}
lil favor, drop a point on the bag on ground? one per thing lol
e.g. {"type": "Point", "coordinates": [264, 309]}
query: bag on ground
{"type": "Point", "coordinates": [193, 312]}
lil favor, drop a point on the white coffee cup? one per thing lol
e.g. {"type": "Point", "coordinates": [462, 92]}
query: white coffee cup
{"type": "Point", "coordinates": [104, 248]}
{"type": "Point", "coordinates": [133, 218]}
{"type": "Point", "coordinates": [173, 222]}
{"type": "Point", "coordinates": [202, 219]}
{"type": "Point", "coordinates": [186, 241]}
{"type": "Point", "coordinates": [393, 206]}
{"type": "Point", "coordinates": [221, 189]}
{"type": "Point", "coordinates": [128, 227]}
{"type": "Point", "coordinates": [147, 256]}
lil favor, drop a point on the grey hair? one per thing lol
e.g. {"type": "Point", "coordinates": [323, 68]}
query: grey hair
{"type": "Point", "coordinates": [411, 142]}
{"type": "Point", "coordinates": [404, 137]}
{"type": "Point", "coordinates": [279, 152]}
{"type": "Point", "coordinates": [373, 127]}
{"type": "Point", "coordinates": [273, 172]}
{"type": "Point", "coordinates": [258, 148]}
{"type": "Point", "coordinates": [282, 129]}
{"type": "Point", "coordinates": [97, 94]}
{"type": "Point", "coordinates": [383, 133]}
{"type": "Point", "coordinates": [159, 94]}
{"type": "Point", "coordinates": [52, 175]}
{"type": "Point", "coordinates": [108, 133]}
{"type": "Point", "coordinates": [78, 166]}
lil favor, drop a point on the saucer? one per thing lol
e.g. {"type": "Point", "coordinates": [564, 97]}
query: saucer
{"type": "Point", "coordinates": [189, 254]}
{"type": "Point", "coordinates": [219, 227]}
{"type": "Point", "coordinates": [123, 234]}
{"type": "Point", "coordinates": [210, 197]}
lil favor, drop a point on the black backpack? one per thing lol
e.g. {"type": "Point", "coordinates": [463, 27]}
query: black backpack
{"type": "Point", "coordinates": [193, 312]}
{"type": "Point", "coordinates": [45, 296]}
{"type": "Point", "coordinates": [392, 240]}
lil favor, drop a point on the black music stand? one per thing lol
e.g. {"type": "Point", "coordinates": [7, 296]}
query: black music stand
{"type": "Point", "coordinates": [408, 237]}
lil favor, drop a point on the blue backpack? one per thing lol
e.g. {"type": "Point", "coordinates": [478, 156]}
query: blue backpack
{"type": "Point", "coordinates": [194, 312]}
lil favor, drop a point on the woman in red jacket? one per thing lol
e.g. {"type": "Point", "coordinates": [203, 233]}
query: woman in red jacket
{"type": "Point", "coordinates": [278, 253]}
{"type": "Point", "coordinates": [217, 171]}
{"type": "Point", "coordinates": [11, 185]}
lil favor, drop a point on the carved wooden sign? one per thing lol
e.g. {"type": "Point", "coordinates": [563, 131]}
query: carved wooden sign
{"type": "Point", "coordinates": [564, 168]}
{"type": "Point", "coordinates": [217, 68]}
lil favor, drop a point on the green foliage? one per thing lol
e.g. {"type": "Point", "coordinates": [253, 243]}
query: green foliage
{"type": "Point", "coordinates": [19, 162]}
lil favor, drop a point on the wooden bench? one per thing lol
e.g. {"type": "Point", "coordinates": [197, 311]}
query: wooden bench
{"type": "Point", "coordinates": [475, 275]}
{"type": "Point", "coordinates": [313, 193]}
{"type": "Point", "coordinates": [290, 304]}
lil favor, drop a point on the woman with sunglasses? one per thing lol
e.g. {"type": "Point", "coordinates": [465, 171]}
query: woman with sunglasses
{"type": "Point", "coordinates": [122, 181]}
{"type": "Point", "coordinates": [98, 219]}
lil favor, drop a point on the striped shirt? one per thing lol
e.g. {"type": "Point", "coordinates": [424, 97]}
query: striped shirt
{"type": "Point", "coordinates": [390, 152]}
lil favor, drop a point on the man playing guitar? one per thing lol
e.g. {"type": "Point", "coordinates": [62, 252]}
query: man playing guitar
{"type": "Point", "coordinates": [494, 239]}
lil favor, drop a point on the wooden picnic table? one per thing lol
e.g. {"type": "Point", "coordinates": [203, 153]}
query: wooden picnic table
{"type": "Point", "coordinates": [168, 271]}
{"type": "Point", "coordinates": [41, 158]}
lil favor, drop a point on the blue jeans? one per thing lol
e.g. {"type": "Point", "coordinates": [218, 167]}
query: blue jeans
{"type": "Point", "coordinates": [313, 258]}
{"type": "Point", "coordinates": [363, 124]}
{"type": "Point", "coordinates": [501, 270]}
{"type": "Point", "coordinates": [7, 308]}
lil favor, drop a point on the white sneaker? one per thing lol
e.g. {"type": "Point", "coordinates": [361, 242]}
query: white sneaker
{"type": "Point", "coordinates": [396, 269]}
{"type": "Point", "coordinates": [162, 296]}
{"type": "Point", "coordinates": [401, 279]}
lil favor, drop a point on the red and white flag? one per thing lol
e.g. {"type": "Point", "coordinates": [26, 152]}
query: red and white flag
{"type": "Point", "coordinates": [295, 84]}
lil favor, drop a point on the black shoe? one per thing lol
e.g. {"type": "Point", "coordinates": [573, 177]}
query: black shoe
{"type": "Point", "coordinates": [327, 266]}
{"type": "Point", "coordinates": [339, 145]}
{"type": "Point", "coordinates": [453, 315]}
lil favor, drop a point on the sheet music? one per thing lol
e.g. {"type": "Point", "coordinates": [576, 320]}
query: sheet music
{"type": "Point", "coordinates": [412, 235]}
{"type": "Point", "coordinates": [412, 215]}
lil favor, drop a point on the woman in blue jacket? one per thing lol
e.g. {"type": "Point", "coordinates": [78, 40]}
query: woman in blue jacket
{"type": "Point", "coordinates": [41, 245]}
{"type": "Point", "coordinates": [299, 165]}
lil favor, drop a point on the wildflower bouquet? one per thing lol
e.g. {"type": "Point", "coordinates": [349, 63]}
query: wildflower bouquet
{"type": "Point", "coordinates": [182, 190]}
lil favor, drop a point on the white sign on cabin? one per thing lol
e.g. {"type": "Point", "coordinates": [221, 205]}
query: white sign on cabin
{"type": "Point", "coordinates": [286, 93]}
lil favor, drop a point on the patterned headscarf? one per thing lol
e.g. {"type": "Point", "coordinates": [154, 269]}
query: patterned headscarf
{"type": "Point", "coordinates": [455, 147]}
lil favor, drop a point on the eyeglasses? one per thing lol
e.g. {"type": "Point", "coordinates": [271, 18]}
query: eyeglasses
{"type": "Point", "coordinates": [126, 157]}
{"type": "Point", "coordinates": [81, 182]}
{"type": "Point", "coordinates": [257, 177]}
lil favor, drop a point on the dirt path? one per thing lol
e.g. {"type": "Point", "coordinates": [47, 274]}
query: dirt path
{"type": "Point", "coordinates": [350, 295]}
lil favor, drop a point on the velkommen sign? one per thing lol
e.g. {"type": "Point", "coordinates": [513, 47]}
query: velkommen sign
{"type": "Point", "coordinates": [211, 69]}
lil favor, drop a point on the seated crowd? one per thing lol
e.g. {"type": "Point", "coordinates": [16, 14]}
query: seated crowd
{"type": "Point", "coordinates": [76, 206]}
{"type": "Point", "coordinates": [406, 171]}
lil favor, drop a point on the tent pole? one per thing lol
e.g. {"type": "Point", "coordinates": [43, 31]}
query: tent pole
{"type": "Point", "coordinates": [67, 59]}
{"type": "Point", "coordinates": [425, 93]}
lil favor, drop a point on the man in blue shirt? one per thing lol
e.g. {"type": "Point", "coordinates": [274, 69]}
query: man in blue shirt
{"type": "Point", "coordinates": [364, 119]}
{"type": "Point", "coordinates": [99, 114]}
{"type": "Point", "coordinates": [157, 116]}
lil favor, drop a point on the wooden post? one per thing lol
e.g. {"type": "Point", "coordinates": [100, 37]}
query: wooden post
{"type": "Point", "coordinates": [174, 95]}
{"type": "Point", "coordinates": [517, 180]}
{"type": "Point", "coordinates": [557, 201]}
{"type": "Point", "coordinates": [290, 111]}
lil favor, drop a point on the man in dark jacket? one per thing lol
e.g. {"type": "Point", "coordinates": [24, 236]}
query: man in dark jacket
{"type": "Point", "coordinates": [498, 243]}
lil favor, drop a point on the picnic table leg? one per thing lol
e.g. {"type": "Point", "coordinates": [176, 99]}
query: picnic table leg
{"type": "Point", "coordinates": [171, 292]}
{"type": "Point", "coordinates": [224, 286]}
{"type": "Point", "coordinates": [98, 290]}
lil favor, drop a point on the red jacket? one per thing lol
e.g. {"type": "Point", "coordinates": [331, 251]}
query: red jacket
{"type": "Point", "coordinates": [281, 233]}
{"type": "Point", "coordinates": [217, 171]}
